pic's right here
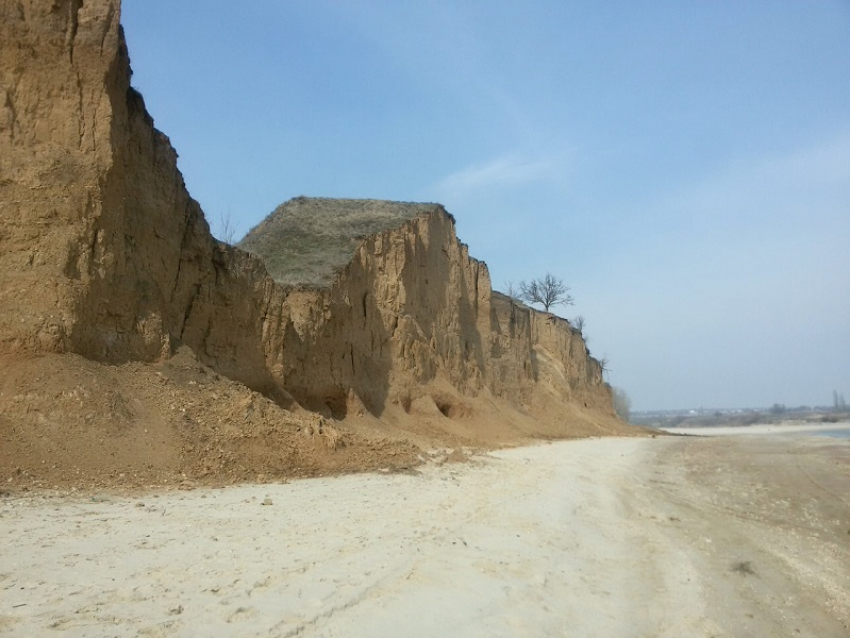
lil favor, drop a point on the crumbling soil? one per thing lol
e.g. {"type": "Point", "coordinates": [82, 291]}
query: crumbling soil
{"type": "Point", "coordinates": [66, 421]}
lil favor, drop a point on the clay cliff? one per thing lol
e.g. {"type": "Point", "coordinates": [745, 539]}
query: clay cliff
{"type": "Point", "coordinates": [125, 325]}
{"type": "Point", "coordinates": [411, 310]}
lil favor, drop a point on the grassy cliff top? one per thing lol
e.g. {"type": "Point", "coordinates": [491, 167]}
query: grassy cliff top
{"type": "Point", "coordinates": [306, 240]}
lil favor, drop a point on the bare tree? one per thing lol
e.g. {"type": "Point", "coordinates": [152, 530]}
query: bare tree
{"type": "Point", "coordinates": [622, 403]}
{"type": "Point", "coordinates": [548, 291]}
{"type": "Point", "coordinates": [578, 322]}
{"type": "Point", "coordinates": [838, 401]}
{"type": "Point", "coordinates": [513, 291]}
{"type": "Point", "coordinates": [227, 228]}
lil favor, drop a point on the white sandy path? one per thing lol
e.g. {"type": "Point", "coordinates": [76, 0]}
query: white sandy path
{"type": "Point", "coordinates": [555, 540]}
{"type": "Point", "coordinates": [500, 548]}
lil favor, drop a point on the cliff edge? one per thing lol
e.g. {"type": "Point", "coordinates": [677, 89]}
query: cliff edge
{"type": "Point", "coordinates": [136, 346]}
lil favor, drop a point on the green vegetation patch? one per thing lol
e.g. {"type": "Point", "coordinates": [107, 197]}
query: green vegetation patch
{"type": "Point", "coordinates": [307, 240]}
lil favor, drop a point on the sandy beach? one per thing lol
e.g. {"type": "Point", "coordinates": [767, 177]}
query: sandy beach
{"type": "Point", "coordinates": [667, 536]}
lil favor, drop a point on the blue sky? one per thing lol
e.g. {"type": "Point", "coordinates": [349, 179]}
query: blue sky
{"type": "Point", "coordinates": [684, 166]}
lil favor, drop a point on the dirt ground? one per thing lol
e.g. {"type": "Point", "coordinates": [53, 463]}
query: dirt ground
{"type": "Point", "coordinates": [667, 536]}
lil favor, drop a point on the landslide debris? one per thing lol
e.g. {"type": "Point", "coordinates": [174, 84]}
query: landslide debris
{"type": "Point", "coordinates": [69, 422]}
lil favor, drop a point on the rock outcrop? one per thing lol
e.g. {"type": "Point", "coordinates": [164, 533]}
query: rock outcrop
{"type": "Point", "coordinates": [104, 254]}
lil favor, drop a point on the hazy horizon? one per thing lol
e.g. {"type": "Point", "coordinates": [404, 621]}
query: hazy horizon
{"type": "Point", "coordinates": [684, 167]}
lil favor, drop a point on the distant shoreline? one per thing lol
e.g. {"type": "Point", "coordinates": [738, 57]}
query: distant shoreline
{"type": "Point", "coordinates": [762, 429]}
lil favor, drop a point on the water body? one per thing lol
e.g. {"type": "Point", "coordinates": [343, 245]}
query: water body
{"type": "Point", "coordinates": [839, 430]}
{"type": "Point", "coordinates": [841, 433]}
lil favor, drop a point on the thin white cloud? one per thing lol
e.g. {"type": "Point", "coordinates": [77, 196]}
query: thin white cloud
{"type": "Point", "coordinates": [507, 170]}
{"type": "Point", "coordinates": [754, 197]}
{"type": "Point", "coordinates": [819, 165]}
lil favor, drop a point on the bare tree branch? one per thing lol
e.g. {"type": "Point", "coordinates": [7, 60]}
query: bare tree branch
{"type": "Point", "coordinates": [578, 322]}
{"type": "Point", "coordinates": [548, 291]}
{"type": "Point", "coordinates": [513, 291]}
{"type": "Point", "coordinates": [227, 228]}
{"type": "Point", "coordinates": [622, 403]}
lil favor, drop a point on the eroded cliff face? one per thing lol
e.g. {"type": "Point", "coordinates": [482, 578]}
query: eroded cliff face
{"type": "Point", "coordinates": [55, 117]}
{"type": "Point", "coordinates": [93, 208]}
{"type": "Point", "coordinates": [413, 312]}
{"type": "Point", "coordinates": [103, 253]}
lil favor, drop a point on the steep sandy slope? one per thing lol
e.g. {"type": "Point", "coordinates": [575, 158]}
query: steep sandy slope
{"type": "Point", "coordinates": [108, 270]}
{"type": "Point", "coordinates": [104, 253]}
{"type": "Point", "coordinates": [411, 322]}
